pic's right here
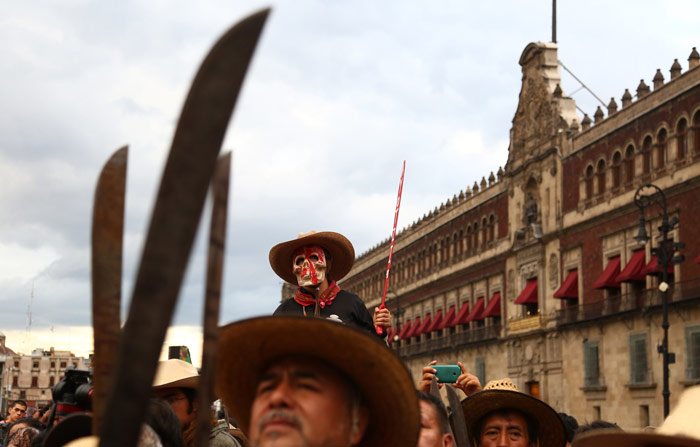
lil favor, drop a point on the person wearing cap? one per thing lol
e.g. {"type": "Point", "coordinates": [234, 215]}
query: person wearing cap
{"type": "Point", "coordinates": [315, 261]}
{"type": "Point", "coordinates": [297, 381]}
{"type": "Point", "coordinates": [500, 415]}
{"type": "Point", "coordinates": [176, 382]}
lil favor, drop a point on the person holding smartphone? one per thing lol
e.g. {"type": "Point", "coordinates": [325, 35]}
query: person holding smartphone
{"type": "Point", "coordinates": [466, 381]}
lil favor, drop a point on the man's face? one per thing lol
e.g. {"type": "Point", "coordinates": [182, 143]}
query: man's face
{"type": "Point", "coordinates": [178, 402]}
{"type": "Point", "coordinates": [504, 429]}
{"type": "Point", "coordinates": [430, 433]}
{"type": "Point", "coordinates": [17, 412]}
{"type": "Point", "coordinates": [302, 401]}
{"type": "Point", "coordinates": [309, 266]}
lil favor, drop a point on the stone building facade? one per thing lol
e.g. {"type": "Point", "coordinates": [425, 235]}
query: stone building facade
{"type": "Point", "coordinates": [533, 273]}
{"type": "Point", "coordinates": [31, 377]}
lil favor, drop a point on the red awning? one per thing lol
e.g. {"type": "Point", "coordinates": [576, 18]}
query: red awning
{"type": "Point", "coordinates": [414, 328]}
{"type": "Point", "coordinates": [697, 260]}
{"type": "Point", "coordinates": [424, 326]}
{"type": "Point", "coordinates": [449, 320]}
{"type": "Point", "coordinates": [608, 279]}
{"type": "Point", "coordinates": [529, 293]}
{"type": "Point", "coordinates": [477, 312]}
{"type": "Point", "coordinates": [462, 314]}
{"type": "Point", "coordinates": [406, 327]}
{"type": "Point", "coordinates": [633, 269]}
{"type": "Point", "coordinates": [569, 288]}
{"type": "Point", "coordinates": [437, 322]}
{"type": "Point", "coordinates": [494, 307]}
{"type": "Point", "coordinates": [653, 267]}
{"type": "Point", "coordinates": [390, 335]}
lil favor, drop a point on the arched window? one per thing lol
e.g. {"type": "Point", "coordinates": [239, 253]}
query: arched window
{"type": "Point", "coordinates": [662, 146]}
{"type": "Point", "coordinates": [682, 138]}
{"type": "Point", "coordinates": [616, 163]}
{"type": "Point", "coordinates": [492, 227]}
{"type": "Point", "coordinates": [475, 235]}
{"type": "Point", "coordinates": [469, 238]}
{"type": "Point", "coordinates": [460, 243]}
{"type": "Point", "coordinates": [629, 164]}
{"type": "Point", "coordinates": [600, 173]}
{"type": "Point", "coordinates": [646, 150]}
{"type": "Point", "coordinates": [589, 182]}
{"type": "Point", "coordinates": [696, 132]}
{"type": "Point", "coordinates": [484, 230]}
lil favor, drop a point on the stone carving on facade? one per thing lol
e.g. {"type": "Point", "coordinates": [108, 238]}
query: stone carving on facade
{"type": "Point", "coordinates": [511, 285]}
{"type": "Point", "coordinates": [536, 118]}
{"type": "Point", "coordinates": [553, 271]}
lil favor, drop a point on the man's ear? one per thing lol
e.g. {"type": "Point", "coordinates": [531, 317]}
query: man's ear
{"type": "Point", "coordinates": [448, 440]}
{"type": "Point", "coordinates": [358, 430]}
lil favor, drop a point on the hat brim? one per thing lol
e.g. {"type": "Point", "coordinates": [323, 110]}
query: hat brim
{"type": "Point", "coordinates": [550, 429]}
{"type": "Point", "coordinates": [340, 248]}
{"type": "Point", "coordinates": [625, 439]}
{"type": "Point", "coordinates": [248, 347]}
{"type": "Point", "coordinates": [187, 382]}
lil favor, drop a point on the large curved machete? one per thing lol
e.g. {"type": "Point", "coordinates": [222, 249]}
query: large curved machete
{"type": "Point", "coordinates": [212, 298]}
{"type": "Point", "coordinates": [107, 236]}
{"type": "Point", "coordinates": [183, 188]}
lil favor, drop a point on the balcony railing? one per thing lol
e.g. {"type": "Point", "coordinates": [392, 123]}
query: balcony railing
{"type": "Point", "coordinates": [526, 324]}
{"type": "Point", "coordinates": [613, 305]}
{"type": "Point", "coordinates": [449, 341]}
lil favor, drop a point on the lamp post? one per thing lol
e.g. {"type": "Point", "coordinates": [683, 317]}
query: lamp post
{"type": "Point", "coordinates": [397, 313]}
{"type": "Point", "coordinates": [647, 195]}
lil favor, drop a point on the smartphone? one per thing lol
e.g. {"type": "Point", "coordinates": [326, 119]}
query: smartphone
{"type": "Point", "coordinates": [447, 373]}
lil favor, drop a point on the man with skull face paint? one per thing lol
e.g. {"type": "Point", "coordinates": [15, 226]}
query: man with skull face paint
{"type": "Point", "coordinates": [315, 261]}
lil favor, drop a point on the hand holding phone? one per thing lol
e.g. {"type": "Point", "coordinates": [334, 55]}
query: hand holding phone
{"type": "Point", "coordinates": [447, 373]}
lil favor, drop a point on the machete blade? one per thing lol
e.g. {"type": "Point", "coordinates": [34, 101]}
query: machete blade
{"type": "Point", "coordinates": [107, 237]}
{"type": "Point", "coordinates": [435, 388]}
{"type": "Point", "coordinates": [215, 268]}
{"type": "Point", "coordinates": [178, 208]}
{"type": "Point", "coordinates": [459, 426]}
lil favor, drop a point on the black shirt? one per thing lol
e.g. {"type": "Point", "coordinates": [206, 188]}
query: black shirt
{"type": "Point", "coordinates": [346, 307]}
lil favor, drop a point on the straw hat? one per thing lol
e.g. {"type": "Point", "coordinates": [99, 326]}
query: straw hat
{"type": "Point", "coordinates": [176, 373]}
{"type": "Point", "coordinates": [680, 429]}
{"type": "Point", "coordinates": [340, 248]}
{"type": "Point", "coordinates": [246, 348]}
{"type": "Point", "coordinates": [502, 395]}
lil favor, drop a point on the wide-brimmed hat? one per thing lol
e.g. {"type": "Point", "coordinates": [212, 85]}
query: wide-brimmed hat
{"type": "Point", "coordinates": [504, 395]}
{"type": "Point", "coordinates": [247, 348]}
{"type": "Point", "coordinates": [680, 429]}
{"type": "Point", "coordinates": [176, 373]}
{"type": "Point", "coordinates": [340, 248]}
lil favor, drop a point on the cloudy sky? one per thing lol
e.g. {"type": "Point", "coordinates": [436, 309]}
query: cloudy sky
{"type": "Point", "coordinates": [338, 95]}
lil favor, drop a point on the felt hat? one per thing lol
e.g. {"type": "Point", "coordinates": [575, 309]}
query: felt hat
{"type": "Point", "coordinates": [680, 429]}
{"type": "Point", "coordinates": [341, 251]}
{"type": "Point", "coordinates": [503, 394]}
{"type": "Point", "coordinates": [175, 373]}
{"type": "Point", "coordinates": [247, 348]}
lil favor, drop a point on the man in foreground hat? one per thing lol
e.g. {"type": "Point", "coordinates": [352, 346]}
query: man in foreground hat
{"type": "Point", "coordinates": [500, 415]}
{"type": "Point", "coordinates": [315, 261]}
{"type": "Point", "coordinates": [308, 381]}
{"type": "Point", "coordinates": [176, 382]}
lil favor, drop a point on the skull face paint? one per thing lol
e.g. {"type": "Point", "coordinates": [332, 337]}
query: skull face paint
{"type": "Point", "coordinates": [309, 266]}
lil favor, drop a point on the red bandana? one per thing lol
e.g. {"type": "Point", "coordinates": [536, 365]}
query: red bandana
{"type": "Point", "coordinates": [326, 298]}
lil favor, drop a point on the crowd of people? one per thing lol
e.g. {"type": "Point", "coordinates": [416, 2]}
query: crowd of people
{"type": "Point", "coordinates": [317, 374]}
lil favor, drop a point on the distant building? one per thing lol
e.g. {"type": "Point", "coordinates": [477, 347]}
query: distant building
{"type": "Point", "coordinates": [533, 272]}
{"type": "Point", "coordinates": [31, 377]}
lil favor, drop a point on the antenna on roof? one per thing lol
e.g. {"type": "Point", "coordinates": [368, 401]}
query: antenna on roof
{"type": "Point", "coordinates": [554, 21]}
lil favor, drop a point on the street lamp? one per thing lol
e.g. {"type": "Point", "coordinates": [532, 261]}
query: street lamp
{"type": "Point", "coordinates": [646, 196]}
{"type": "Point", "coordinates": [397, 313]}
